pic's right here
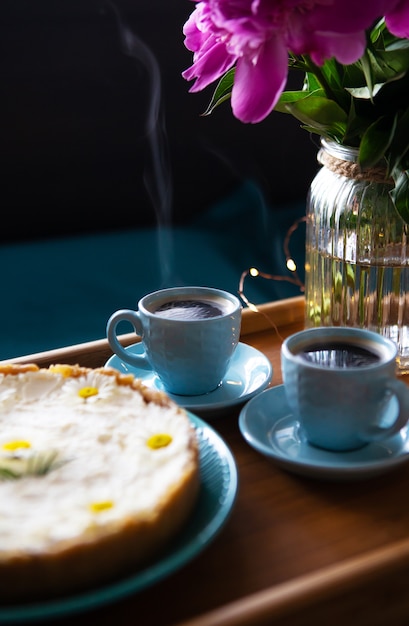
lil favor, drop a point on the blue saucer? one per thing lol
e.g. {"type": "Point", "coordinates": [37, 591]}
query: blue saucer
{"type": "Point", "coordinates": [249, 373]}
{"type": "Point", "coordinates": [269, 427]}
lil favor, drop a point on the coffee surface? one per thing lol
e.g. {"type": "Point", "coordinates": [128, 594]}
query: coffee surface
{"type": "Point", "coordinates": [188, 310]}
{"type": "Point", "coordinates": [337, 355]}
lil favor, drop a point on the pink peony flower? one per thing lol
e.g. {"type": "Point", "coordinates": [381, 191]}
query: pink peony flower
{"type": "Point", "coordinates": [397, 18]}
{"type": "Point", "coordinates": [256, 36]}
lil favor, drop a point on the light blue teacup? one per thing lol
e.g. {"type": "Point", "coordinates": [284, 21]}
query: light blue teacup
{"type": "Point", "coordinates": [189, 335]}
{"type": "Point", "coordinates": [341, 385]}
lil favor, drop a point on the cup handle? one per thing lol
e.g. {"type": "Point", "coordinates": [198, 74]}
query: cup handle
{"type": "Point", "coordinates": [126, 315]}
{"type": "Point", "coordinates": [401, 393]}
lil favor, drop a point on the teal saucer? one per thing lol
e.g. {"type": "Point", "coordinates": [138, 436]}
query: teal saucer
{"type": "Point", "coordinates": [268, 426]}
{"type": "Point", "coordinates": [249, 373]}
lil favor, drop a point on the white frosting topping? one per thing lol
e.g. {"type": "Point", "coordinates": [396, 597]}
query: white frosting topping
{"type": "Point", "coordinates": [103, 470]}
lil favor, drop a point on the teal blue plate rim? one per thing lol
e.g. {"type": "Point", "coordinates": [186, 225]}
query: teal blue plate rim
{"type": "Point", "coordinates": [217, 496]}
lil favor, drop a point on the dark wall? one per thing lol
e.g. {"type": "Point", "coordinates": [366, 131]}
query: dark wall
{"type": "Point", "coordinates": [79, 137]}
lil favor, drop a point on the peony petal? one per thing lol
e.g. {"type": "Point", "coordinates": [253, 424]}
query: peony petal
{"type": "Point", "coordinates": [345, 48]}
{"type": "Point", "coordinates": [257, 87]}
{"type": "Point", "coordinates": [209, 66]}
{"type": "Point", "coordinates": [198, 29]}
{"type": "Point", "coordinates": [345, 16]}
{"type": "Point", "coordinates": [397, 20]}
{"type": "Point", "coordinates": [210, 59]}
{"type": "Point", "coordinates": [335, 29]}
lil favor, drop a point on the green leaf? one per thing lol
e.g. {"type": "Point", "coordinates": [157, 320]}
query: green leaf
{"type": "Point", "coordinates": [377, 31]}
{"type": "Point", "coordinates": [329, 78]}
{"type": "Point", "coordinates": [38, 464]}
{"type": "Point", "coordinates": [364, 93]}
{"type": "Point", "coordinates": [375, 141]}
{"type": "Point", "coordinates": [311, 83]}
{"type": "Point", "coordinates": [332, 71]}
{"type": "Point", "coordinates": [398, 154]}
{"type": "Point", "coordinates": [400, 195]}
{"type": "Point", "coordinates": [377, 66]}
{"type": "Point", "coordinates": [288, 97]}
{"type": "Point", "coordinates": [321, 114]}
{"type": "Point", "coordinates": [8, 474]}
{"type": "Point", "coordinates": [368, 74]}
{"type": "Point", "coordinates": [389, 65]}
{"type": "Point", "coordinates": [354, 126]}
{"type": "Point", "coordinates": [222, 91]}
{"type": "Point", "coordinates": [353, 76]}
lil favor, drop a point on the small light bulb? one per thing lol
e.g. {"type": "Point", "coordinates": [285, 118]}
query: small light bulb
{"type": "Point", "coordinates": [253, 272]}
{"type": "Point", "coordinates": [291, 265]}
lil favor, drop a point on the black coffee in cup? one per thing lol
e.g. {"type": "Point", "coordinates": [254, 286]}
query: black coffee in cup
{"type": "Point", "coordinates": [339, 355]}
{"type": "Point", "coordinates": [340, 384]}
{"type": "Point", "coordinates": [189, 309]}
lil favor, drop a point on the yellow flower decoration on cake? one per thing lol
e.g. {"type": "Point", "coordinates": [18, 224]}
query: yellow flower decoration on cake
{"type": "Point", "coordinates": [87, 392]}
{"type": "Point", "coordinates": [89, 389]}
{"type": "Point", "coordinates": [64, 370]}
{"type": "Point", "coordinates": [103, 505]}
{"type": "Point", "coordinates": [159, 440]}
{"type": "Point", "coordinates": [12, 446]}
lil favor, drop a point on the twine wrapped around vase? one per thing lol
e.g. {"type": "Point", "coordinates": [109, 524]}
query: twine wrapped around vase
{"type": "Point", "coordinates": [351, 169]}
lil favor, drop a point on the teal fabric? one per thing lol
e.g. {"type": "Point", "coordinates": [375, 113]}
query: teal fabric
{"type": "Point", "coordinates": [58, 292]}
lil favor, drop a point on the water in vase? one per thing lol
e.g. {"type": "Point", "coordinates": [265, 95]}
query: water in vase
{"type": "Point", "coordinates": [369, 295]}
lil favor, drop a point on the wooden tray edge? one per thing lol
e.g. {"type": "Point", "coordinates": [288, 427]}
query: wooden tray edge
{"type": "Point", "coordinates": [92, 353]}
{"type": "Point", "coordinates": [289, 600]}
{"type": "Point", "coordinates": [279, 313]}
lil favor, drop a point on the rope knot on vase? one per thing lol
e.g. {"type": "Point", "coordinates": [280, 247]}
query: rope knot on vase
{"type": "Point", "coordinates": [351, 169]}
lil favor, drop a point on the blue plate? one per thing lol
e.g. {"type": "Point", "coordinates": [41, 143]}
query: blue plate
{"type": "Point", "coordinates": [269, 427]}
{"type": "Point", "coordinates": [219, 482]}
{"type": "Point", "coordinates": [249, 373]}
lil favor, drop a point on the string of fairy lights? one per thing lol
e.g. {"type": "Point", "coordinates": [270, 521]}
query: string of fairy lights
{"type": "Point", "coordinates": [291, 265]}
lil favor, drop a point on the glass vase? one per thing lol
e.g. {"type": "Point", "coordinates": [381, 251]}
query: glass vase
{"type": "Point", "coordinates": [357, 262]}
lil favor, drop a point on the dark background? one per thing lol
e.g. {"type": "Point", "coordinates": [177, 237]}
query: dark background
{"type": "Point", "coordinates": [78, 134]}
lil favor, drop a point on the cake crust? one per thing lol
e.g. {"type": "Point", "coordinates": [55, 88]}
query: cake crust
{"type": "Point", "coordinates": [120, 534]}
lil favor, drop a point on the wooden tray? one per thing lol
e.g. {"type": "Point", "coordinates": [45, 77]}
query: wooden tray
{"type": "Point", "coordinates": [295, 551]}
{"type": "Point", "coordinates": [268, 317]}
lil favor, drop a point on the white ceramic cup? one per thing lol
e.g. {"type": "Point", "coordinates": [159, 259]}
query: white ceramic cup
{"type": "Point", "coordinates": [189, 344]}
{"type": "Point", "coordinates": [343, 406]}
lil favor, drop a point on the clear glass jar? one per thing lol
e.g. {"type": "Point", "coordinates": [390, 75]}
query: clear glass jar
{"type": "Point", "coordinates": [357, 262]}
